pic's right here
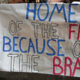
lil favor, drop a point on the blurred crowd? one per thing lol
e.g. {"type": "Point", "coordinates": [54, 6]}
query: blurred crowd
{"type": "Point", "coordinates": [40, 1]}
{"type": "Point", "coordinates": [37, 1]}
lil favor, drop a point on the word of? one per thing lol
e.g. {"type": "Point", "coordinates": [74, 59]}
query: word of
{"type": "Point", "coordinates": [49, 14]}
{"type": "Point", "coordinates": [16, 42]}
{"type": "Point", "coordinates": [15, 27]}
{"type": "Point", "coordinates": [67, 65]}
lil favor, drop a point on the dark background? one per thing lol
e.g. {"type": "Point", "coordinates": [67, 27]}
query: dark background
{"type": "Point", "coordinates": [32, 76]}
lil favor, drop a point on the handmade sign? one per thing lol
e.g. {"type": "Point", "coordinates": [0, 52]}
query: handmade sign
{"type": "Point", "coordinates": [41, 38]}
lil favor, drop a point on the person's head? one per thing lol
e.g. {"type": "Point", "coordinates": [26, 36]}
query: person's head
{"type": "Point", "coordinates": [16, 1]}
{"type": "Point", "coordinates": [52, 1]}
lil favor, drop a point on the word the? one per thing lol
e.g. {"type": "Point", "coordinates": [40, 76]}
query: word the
{"type": "Point", "coordinates": [45, 29]}
{"type": "Point", "coordinates": [25, 63]}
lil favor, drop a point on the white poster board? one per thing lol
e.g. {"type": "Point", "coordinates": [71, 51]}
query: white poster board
{"type": "Point", "coordinates": [41, 38]}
